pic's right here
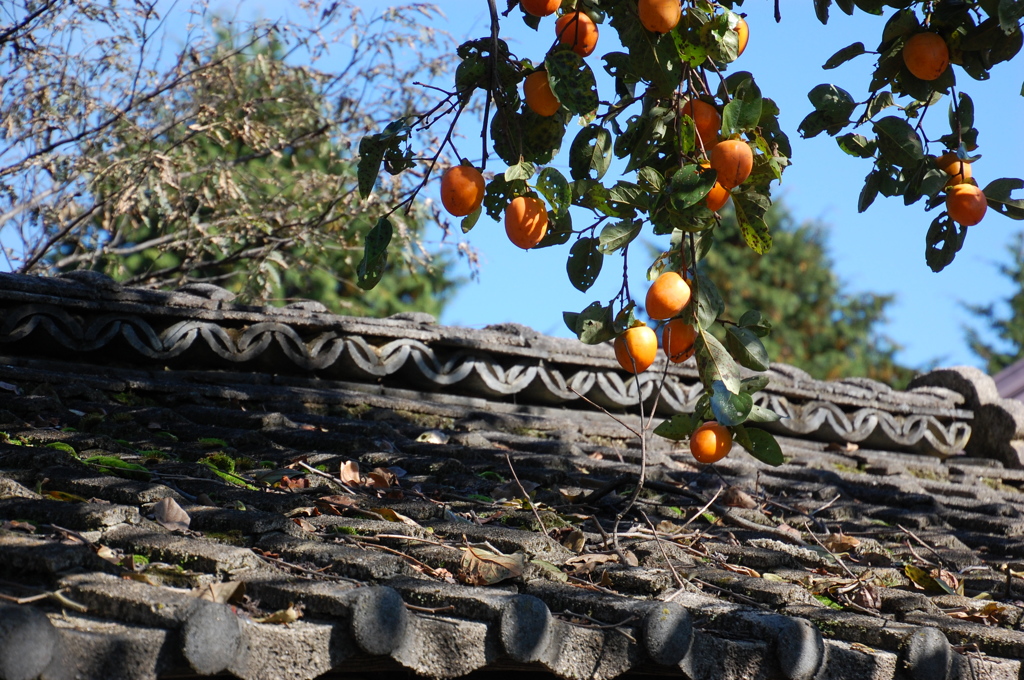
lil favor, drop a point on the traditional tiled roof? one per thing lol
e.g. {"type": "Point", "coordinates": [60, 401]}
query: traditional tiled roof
{"type": "Point", "coordinates": [190, 487]}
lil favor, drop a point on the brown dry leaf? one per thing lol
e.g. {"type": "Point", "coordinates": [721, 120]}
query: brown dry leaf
{"type": "Point", "coordinates": [107, 554]}
{"type": "Point", "coordinates": [204, 499]}
{"type": "Point", "coordinates": [574, 540]}
{"type": "Point", "coordinates": [511, 490]}
{"type": "Point", "coordinates": [596, 455]}
{"type": "Point", "coordinates": [170, 515]}
{"type": "Point", "coordinates": [484, 568]}
{"type": "Point", "coordinates": [846, 447]}
{"type": "Point", "coordinates": [349, 473]}
{"type": "Point", "coordinates": [866, 596]}
{"type": "Point", "coordinates": [222, 593]}
{"type": "Point", "coordinates": [992, 614]}
{"type": "Point", "coordinates": [65, 496]}
{"type": "Point", "coordinates": [928, 582]}
{"type": "Point", "coordinates": [739, 569]}
{"type": "Point", "coordinates": [840, 543]}
{"type": "Point", "coordinates": [308, 511]}
{"type": "Point", "coordinates": [282, 616]}
{"type": "Point", "coordinates": [304, 525]}
{"type": "Point", "coordinates": [333, 505]}
{"type": "Point", "coordinates": [392, 516]}
{"type": "Point", "coordinates": [631, 559]}
{"type": "Point", "coordinates": [789, 530]}
{"type": "Point", "coordinates": [15, 525]}
{"type": "Point", "coordinates": [737, 498]}
{"type": "Point", "coordinates": [668, 527]}
{"type": "Point", "coordinates": [585, 564]}
{"type": "Point", "coordinates": [381, 478]}
{"type": "Point", "coordinates": [293, 483]}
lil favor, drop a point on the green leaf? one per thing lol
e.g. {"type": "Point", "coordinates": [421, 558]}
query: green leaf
{"type": "Point", "coordinates": [375, 254]}
{"type": "Point", "coordinates": [961, 116]}
{"type": "Point", "coordinates": [556, 189]}
{"type": "Point", "coordinates": [878, 103]}
{"type": "Point", "coordinates": [870, 190]}
{"type": "Point", "coordinates": [618, 235]}
{"type": "Point", "coordinates": [650, 179]}
{"type": "Point", "coordinates": [856, 145]}
{"type": "Point", "coordinates": [760, 445]}
{"type": "Point", "coordinates": [730, 409]}
{"type": "Point", "coordinates": [821, 10]}
{"type": "Point", "coordinates": [591, 152]}
{"type": "Point", "coordinates": [1010, 14]}
{"type": "Point", "coordinates": [751, 206]}
{"type": "Point", "coordinates": [678, 427]}
{"type": "Point", "coordinates": [744, 345]}
{"type": "Point", "coordinates": [760, 414]}
{"type": "Point", "coordinates": [998, 195]}
{"type": "Point", "coordinates": [943, 241]}
{"type": "Point", "coordinates": [625, 197]}
{"type": "Point", "coordinates": [756, 322]}
{"type": "Point", "coordinates": [499, 193]}
{"type": "Point", "coordinates": [743, 113]}
{"type": "Point", "coordinates": [926, 580]}
{"type": "Point", "coordinates": [559, 230]}
{"type": "Point", "coordinates": [754, 383]}
{"type": "Point", "coordinates": [709, 301]}
{"type": "Point", "coordinates": [112, 465]}
{"type": "Point", "coordinates": [470, 220]}
{"type": "Point", "coordinates": [595, 325]}
{"type": "Point", "coordinates": [714, 362]}
{"type": "Point", "coordinates": [584, 263]}
{"type": "Point", "coordinates": [898, 142]}
{"type": "Point", "coordinates": [372, 149]}
{"type": "Point", "coordinates": [572, 81]}
{"type": "Point", "coordinates": [689, 185]}
{"type": "Point", "coordinates": [523, 170]}
{"type": "Point", "coordinates": [844, 55]}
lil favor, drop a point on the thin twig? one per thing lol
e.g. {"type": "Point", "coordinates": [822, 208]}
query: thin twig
{"type": "Point", "coordinates": [526, 496]}
{"type": "Point", "coordinates": [657, 539]}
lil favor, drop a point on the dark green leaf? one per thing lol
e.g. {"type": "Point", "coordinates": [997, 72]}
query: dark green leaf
{"type": "Point", "coordinates": [730, 409]}
{"type": "Point", "coordinates": [751, 206]}
{"type": "Point", "coordinates": [898, 142]}
{"type": "Point", "coordinates": [499, 193]}
{"type": "Point", "coordinates": [372, 149]}
{"type": "Point", "coordinates": [943, 241]}
{"type": "Point", "coordinates": [760, 445]}
{"type": "Point", "coordinates": [998, 193]}
{"type": "Point", "coordinates": [595, 324]}
{"type": "Point", "coordinates": [744, 345]}
{"type": "Point", "coordinates": [618, 235]}
{"type": "Point", "coordinates": [714, 362]}
{"type": "Point", "coordinates": [821, 10]}
{"type": "Point", "coordinates": [878, 103]}
{"type": "Point", "coordinates": [559, 230]}
{"type": "Point", "coordinates": [709, 301]}
{"type": "Point", "coordinates": [833, 101]}
{"type": "Point", "coordinates": [756, 322]}
{"type": "Point", "coordinates": [650, 179]}
{"type": "Point", "coordinates": [470, 220]}
{"type": "Point", "coordinates": [590, 153]}
{"type": "Point", "coordinates": [744, 111]}
{"type": "Point", "coordinates": [625, 197]}
{"type": "Point", "coordinates": [856, 145]}
{"type": "Point", "coordinates": [870, 190]}
{"type": "Point", "coordinates": [961, 117]}
{"type": "Point", "coordinates": [555, 188]}
{"type": "Point", "coordinates": [688, 186]}
{"type": "Point", "coordinates": [572, 81]}
{"type": "Point", "coordinates": [678, 427]}
{"type": "Point", "coordinates": [900, 24]}
{"type": "Point", "coordinates": [754, 383]}
{"type": "Point", "coordinates": [1010, 14]}
{"type": "Point", "coordinates": [523, 170]}
{"type": "Point", "coordinates": [844, 55]}
{"type": "Point", "coordinates": [584, 263]}
{"type": "Point", "coordinates": [375, 254]}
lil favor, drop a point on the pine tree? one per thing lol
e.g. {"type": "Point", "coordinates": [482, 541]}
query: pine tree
{"type": "Point", "coordinates": [817, 325]}
{"type": "Point", "coordinates": [1009, 329]}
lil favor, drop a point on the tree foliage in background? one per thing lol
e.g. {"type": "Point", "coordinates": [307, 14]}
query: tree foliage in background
{"type": "Point", "coordinates": [222, 162]}
{"type": "Point", "coordinates": [1009, 329]}
{"type": "Point", "coordinates": [816, 325]}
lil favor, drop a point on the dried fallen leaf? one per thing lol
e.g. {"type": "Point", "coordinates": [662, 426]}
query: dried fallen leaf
{"type": "Point", "coordinates": [227, 592]}
{"type": "Point", "coordinates": [740, 569]}
{"type": "Point", "coordinates": [349, 473]}
{"type": "Point", "coordinates": [926, 581]}
{"type": "Point", "coordinates": [308, 511]}
{"type": "Point", "coordinates": [392, 516]}
{"type": "Point", "coordinates": [551, 570]}
{"type": "Point", "coordinates": [596, 455]}
{"type": "Point", "coordinates": [170, 515]}
{"type": "Point", "coordinates": [511, 490]}
{"type": "Point", "coordinates": [585, 564]}
{"type": "Point", "coordinates": [15, 525]}
{"type": "Point", "coordinates": [433, 437]}
{"type": "Point", "coordinates": [574, 540]}
{"type": "Point", "coordinates": [845, 447]}
{"type": "Point", "coordinates": [282, 616]}
{"type": "Point", "coordinates": [737, 498]}
{"type": "Point", "coordinates": [840, 543]}
{"type": "Point", "coordinates": [333, 505]}
{"type": "Point", "coordinates": [293, 483]}
{"type": "Point", "coordinates": [381, 478]}
{"type": "Point", "coordinates": [304, 525]}
{"type": "Point", "coordinates": [484, 568]}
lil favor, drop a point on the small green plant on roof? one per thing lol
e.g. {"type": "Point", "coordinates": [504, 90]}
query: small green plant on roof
{"type": "Point", "coordinates": [112, 465]}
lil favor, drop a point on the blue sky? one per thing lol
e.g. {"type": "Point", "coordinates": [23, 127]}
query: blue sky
{"type": "Point", "coordinates": [881, 250]}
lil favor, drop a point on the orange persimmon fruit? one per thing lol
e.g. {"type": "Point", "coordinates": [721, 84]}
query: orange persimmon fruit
{"type": "Point", "coordinates": [966, 204]}
{"type": "Point", "coordinates": [526, 221]}
{"type": "Point", "coordinates": [677, 340]}
{"type": "Point", "coordinates": [926, 55]}
{"type": "Point", "coordinates": [959, 171]}
{"type": "Point", "coordinates": [733, 160]}
{"type": "Point", "coordinates": [667, 296]}
{"type": "Point", "coordinates": [462, 190]}
{"type": "Point", "coordinates": [538, 94]}
{"type": "Point", "coordinates": [579, 31]}
{"type": "Point", "coordinates": [540, 8]}
{"type": "Point", "coordinates": [636, 348]}
{"type": "Point", "coordinates": [743, 32]}
{"type": "Point", "coordinates": [659, 16]}
{"type": "Point", "coordinates": [710, 442]}
{"type": "Point", "coordinates": [706, 119]}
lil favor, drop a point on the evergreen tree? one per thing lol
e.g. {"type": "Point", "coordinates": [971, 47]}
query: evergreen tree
{"type": "Point", "coordinates": [1009, 329]}
{"type": "Point", "coordinates": [816, 324]}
